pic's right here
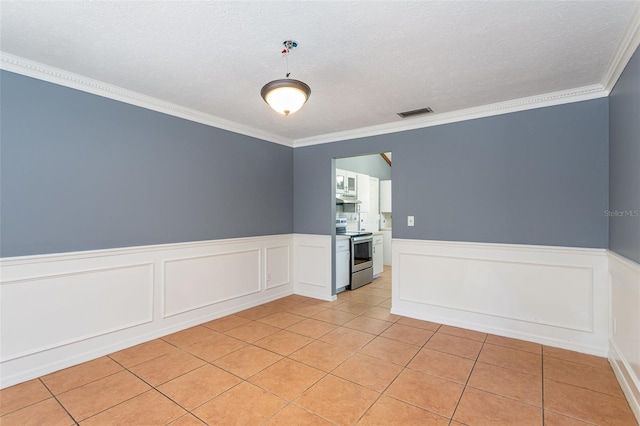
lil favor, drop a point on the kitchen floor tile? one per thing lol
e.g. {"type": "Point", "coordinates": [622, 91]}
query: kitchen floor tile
{"type": "Point", "coordinates": [293, 415]}
{"type": "Point", "coordinates": [555, 419]}
{"type": "Point", "coordinates": [482, 408]}
{"type": "Point", "coordinates": [390, 350]}
{"type": "Point", "coordinates": [252, 331]}
{"type": "Point", "coordinates": [338, 400]}
{"type": "Point", "coordinates": [352, 307]}
{"type": "Point", "coordinates": [367, 371]}
{"type": "Point", "coordinates": [199, 386]}
{"type": "Point", "coordinates": [226, 323]}
{"type": "Point", "coordinates": [22, 395]}
{"type": "Point", "coordinates": [166, 367]}
{"type": "Point", "coordinates": [385, 304]}
{"type": "Point", "coordinates": [245, 404]}
{"type": "Point", "coordinates": [287, 378]}
{"type": "Point", "coordinates": [432, 326]}
{"type": "Point", "coordinates": [87, 372]}
{"type": "Point", "coordinates": [407, 334]}
{"type": "Point", "coordinates": [47, 412]}
{"type": "Point", "coordinates": [312, 328]}
{"type": "Point", "coordinates": [306, 310]}
{"type": "Point", "coordinates": [368, 325]}
{"type": "Point", "coordinates": [431, 393]}
{"type": "Point", "coordinates": [447, 366]}
{"type": "Point", "coordinates": [94, 397]}
{"type": "Point", "coordinates": [214, 346]}
{"type": "Point", "coordinates": [511, 358]}
{"type": "Point", "coordinates": [580, 358]}
{"type": "Point", "coordinates": [140, 353]}
{"type": "Point", "coordinates": [454, 345]}
{"type": "Point", "coordinates": [334, 316]}
{"type": "Point", "coordinates": [581, 375]}
{"type": "Point", "coordinates": [348, 337]}
{"type": "Point", "coordinates": [283, 342]}
{"type": "Point", "coordinates": [522, 345]}
{"type": "Point", "coordinates": [187, 420]}
{"type": "Point", "coordinates": [368, 299]}
{"type": "Point", "coordinates": [512, 384]}
{"type": "Point", "coordinates": [150, 408]}
{"type": "Point", "coordinates": [247, 361]}
{"type": "Point", "coordinates": [390, 411]}
{"type": "Point", "coordinates": [281, 319]}
{"type": "Point", "coordinates": [188, 337]}
{"type": "Point", "coordinates": [587, 405]}
{"type": "Point", "coordinates": [380, 313]}
{"type": "Point", "coordinates": [257, 312]}
{"type": "Point", "coordinates": [321, 355]}
{"type": "Point", "coordinates": [461, 332]}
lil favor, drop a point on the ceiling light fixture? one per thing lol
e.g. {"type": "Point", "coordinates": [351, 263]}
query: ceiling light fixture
{"type": "Point", "coordinates": [286, 95]}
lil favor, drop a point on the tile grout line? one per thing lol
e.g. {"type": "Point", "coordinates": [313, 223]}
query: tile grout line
{"type": "Point", "coordinates": [58, 401]}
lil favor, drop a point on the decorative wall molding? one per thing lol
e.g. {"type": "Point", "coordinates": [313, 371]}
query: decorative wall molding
{"type": "Point", "coordinates": [551, 295]}
{"type": "Point", "coordinates": [54, 75]}
{"type": "Point", "coordinates": [626, 49]}
{"type": "Point", "coordinates": [313, 271]}
{"type": "Point", "coordinates": [532, 102]}
{"type": "Point", "coordinates": [63, 309]}
{"type": "Point", "coordinates": [624, 326]}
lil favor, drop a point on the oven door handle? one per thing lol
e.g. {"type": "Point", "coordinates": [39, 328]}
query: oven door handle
{"type": "Point", "coordinates": [362, 239]}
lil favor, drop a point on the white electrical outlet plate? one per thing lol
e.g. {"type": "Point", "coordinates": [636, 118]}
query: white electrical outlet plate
{"type": "Point", "coordinates": [410, 221]}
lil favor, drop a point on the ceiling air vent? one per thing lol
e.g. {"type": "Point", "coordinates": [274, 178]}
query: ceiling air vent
{"type": "Point", "coordinates": [407, 114]}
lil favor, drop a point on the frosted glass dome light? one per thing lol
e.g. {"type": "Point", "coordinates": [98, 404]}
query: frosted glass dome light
{"type": "Point", "coordinates": [286, 96]}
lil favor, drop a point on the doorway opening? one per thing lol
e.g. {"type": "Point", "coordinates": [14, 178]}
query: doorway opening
{"type": "Point", "coordinates": [363, 216]}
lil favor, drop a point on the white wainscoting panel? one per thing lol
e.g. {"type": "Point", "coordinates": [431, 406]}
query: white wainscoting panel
{"type": "Point", "coordinates": [278, 266]}
{"type": "Point", "coordinates": [63, 309]}
{"type": "Point", "coordinates": [313, 270]}
{"type": "Point", "coordinates": [45, 312]}
{"type": "Point", "coordinates": [195, 282]}
{"type": "Point", "coordinates": [552, 295]}
{"type": "Point", "coordinates": [624, 342]}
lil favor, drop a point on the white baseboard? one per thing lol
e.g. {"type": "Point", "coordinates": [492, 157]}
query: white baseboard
{"type": "Point", "coordinates": [313, 272]}
{"type": "Point", "coordinates": [552, 295]}
{"type": "Point", "coordinates": [63, 309]}
{"type": "Point", "coordinates": [624, 342]}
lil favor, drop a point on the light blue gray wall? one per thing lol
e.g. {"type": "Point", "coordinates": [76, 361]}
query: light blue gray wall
{"type": "Point", "coordinates": [81, 172]}
{"type": "Point", "coordinates": [372, 165]}
{"type": "Point", "coordinates": [624, 162]}
{"type": "Point", "coordinates": [532, 177]}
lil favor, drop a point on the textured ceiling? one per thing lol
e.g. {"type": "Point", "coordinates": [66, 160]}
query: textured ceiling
{"type": "Point", "coordinates": [364, 61]}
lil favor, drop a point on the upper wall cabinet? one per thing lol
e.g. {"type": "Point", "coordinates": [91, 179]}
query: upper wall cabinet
{"type": "Point", "coordinates": [346, 183]}
{"type": "Point", "coordinates": [385, 196]}
{"type": "Point", "coordinates": [363, 193]}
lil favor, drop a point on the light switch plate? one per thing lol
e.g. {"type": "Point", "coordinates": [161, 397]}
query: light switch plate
{"type": "Point", "coordinates": [409, 220]}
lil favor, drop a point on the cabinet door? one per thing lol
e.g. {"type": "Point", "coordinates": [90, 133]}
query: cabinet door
{"type": "Point", "coordinates": [363, 193]}
{"type": "Point", "coordinates": [378, 255]}
{"type": "Point", "coordinates": [351, 180]}
{"type": "Point", "coordinates": [374, 207]}
{"type": "Point", "coordinates": [385, 196]}
{"type": "Point", "coordinates": [340, 181]}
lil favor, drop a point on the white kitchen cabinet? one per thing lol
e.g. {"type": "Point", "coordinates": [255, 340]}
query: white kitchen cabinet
{"type": "Point", "coordinates": [374, 205]}
{"type": "Point", "coordinates": [386, 241]}
{"type": "Point", "coordinates": [363, 193]}
{"type": "Point", "coordinates": [378, 254]}
{"type": "Point", "coordinates": [385, 196]}
{"type": "Point", "coordinates": [346, 183]}
{"type": "Point", "coordinates": [343, 261]}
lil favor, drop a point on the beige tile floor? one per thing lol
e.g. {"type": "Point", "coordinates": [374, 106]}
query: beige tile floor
{"type": "Point", "coordinates": [300, 361]}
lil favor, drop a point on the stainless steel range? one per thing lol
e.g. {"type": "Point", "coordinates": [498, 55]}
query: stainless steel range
{"type": "Point", "coordinates": [361, 250]}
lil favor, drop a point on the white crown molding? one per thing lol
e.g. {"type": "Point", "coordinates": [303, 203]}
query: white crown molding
{"type": "Point", "coordinates": [50, 74]}
{"type": "Point", "coordinates": [626, 49]}
{"type": "Point", "coordinates": [532, 102]}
